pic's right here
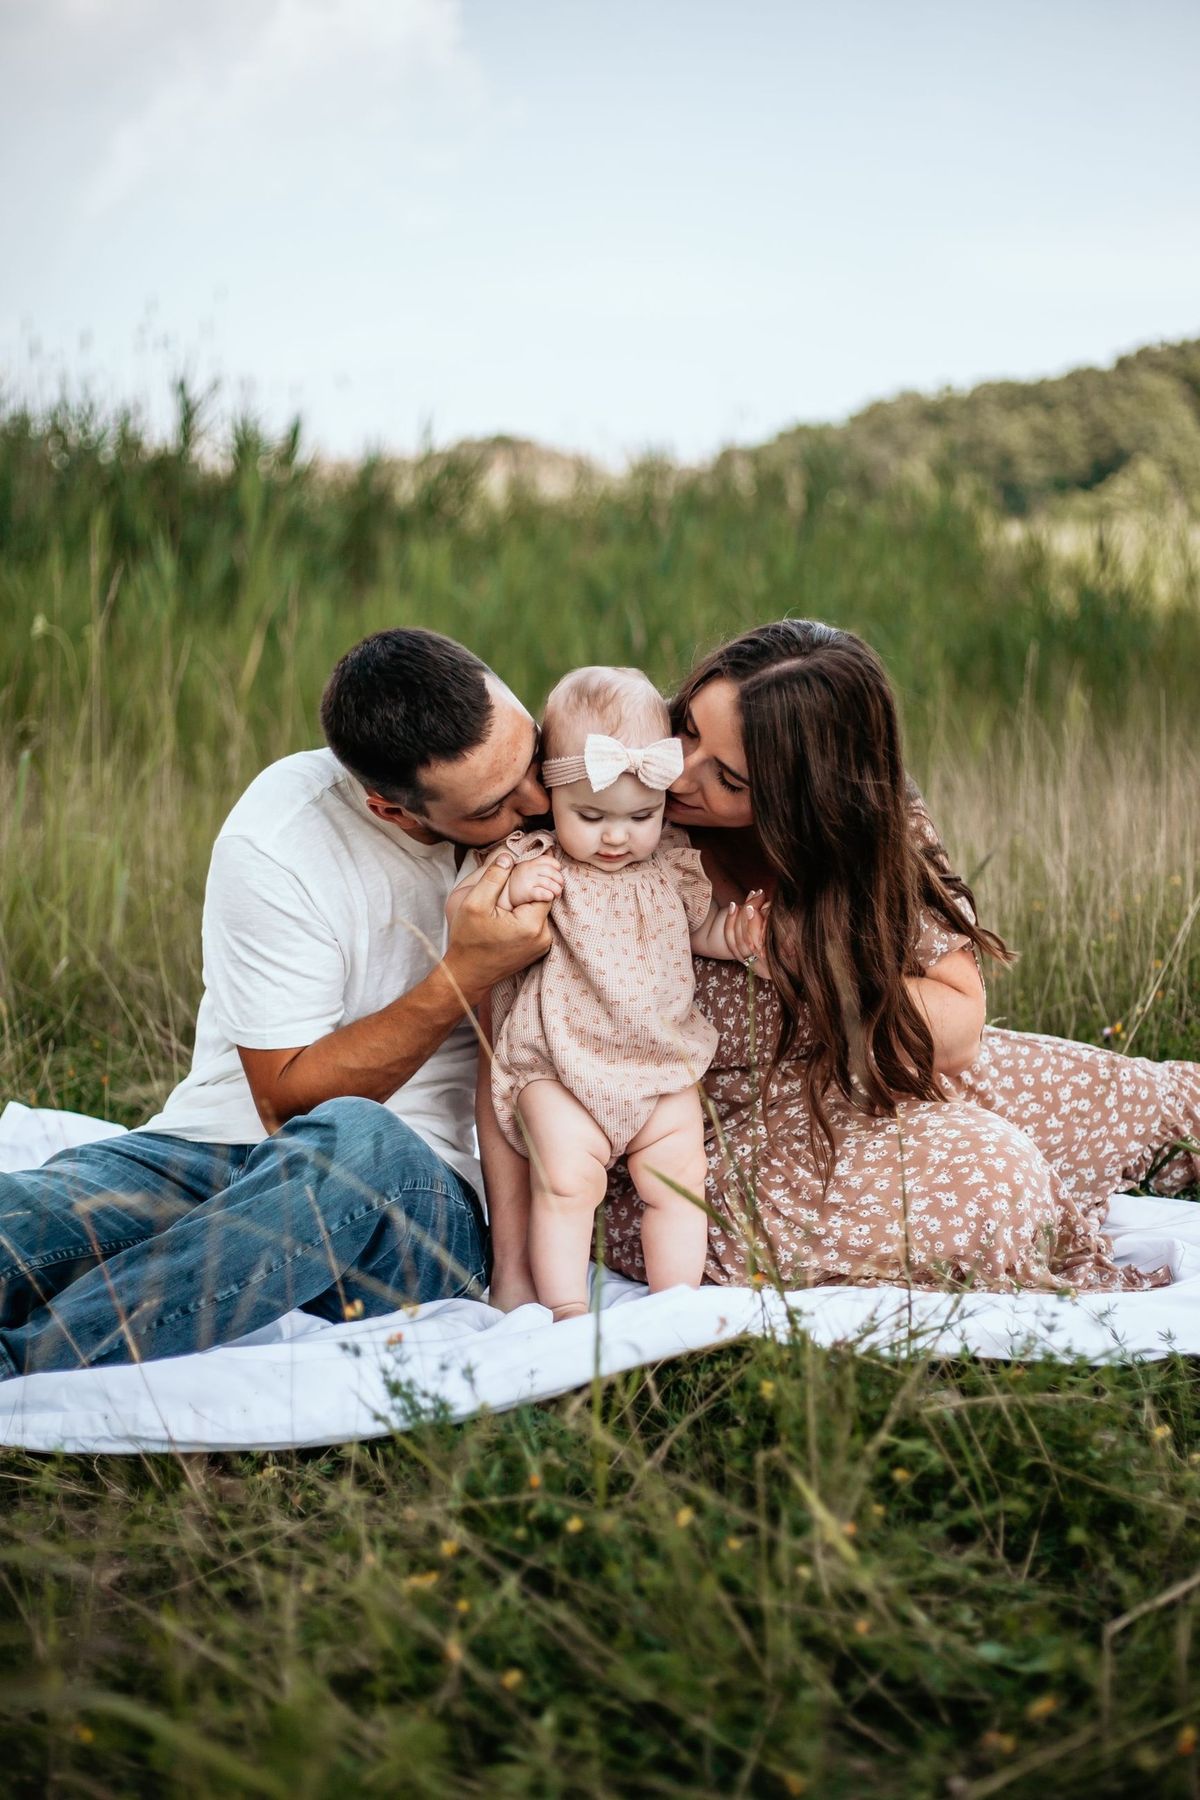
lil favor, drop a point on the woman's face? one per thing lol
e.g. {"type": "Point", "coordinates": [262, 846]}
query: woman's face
{"type": "Point", "coordinates": [713, 789]}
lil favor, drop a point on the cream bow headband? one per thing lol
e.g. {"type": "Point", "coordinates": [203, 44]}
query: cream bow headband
{"type": "Point", "coordinates": [606, 759]}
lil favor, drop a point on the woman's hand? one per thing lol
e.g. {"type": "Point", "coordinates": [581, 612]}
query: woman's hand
{"type": "Point", "coordinates": [746, 928]}
{"type": "Point", "coordinates": [734, 933]}
{"type": "Point", "coordinates": [539, 879]}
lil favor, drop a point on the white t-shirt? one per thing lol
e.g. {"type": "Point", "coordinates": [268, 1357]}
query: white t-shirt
{"type": "Point", "coordinates": [316, 914]}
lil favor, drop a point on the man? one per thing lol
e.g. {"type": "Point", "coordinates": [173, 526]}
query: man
{"type": "Point", "coordinates": [320, 1153]}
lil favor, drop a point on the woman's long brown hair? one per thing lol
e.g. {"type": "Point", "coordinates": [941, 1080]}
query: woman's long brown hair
{"type": "Point", "coordinates": [832, 813]}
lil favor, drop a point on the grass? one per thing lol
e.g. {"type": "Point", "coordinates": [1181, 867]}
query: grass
{"type": "Point", "coordinates": [768, 1570]}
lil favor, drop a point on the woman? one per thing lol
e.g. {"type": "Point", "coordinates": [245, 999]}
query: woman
{"type": "Point", "coordinates": [864, 1127]}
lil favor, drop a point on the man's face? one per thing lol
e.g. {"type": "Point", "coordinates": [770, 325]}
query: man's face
{"type": "Point", "coordinates": [487, 793]}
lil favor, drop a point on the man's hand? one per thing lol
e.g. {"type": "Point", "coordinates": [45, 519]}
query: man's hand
{"type": "Point", "coordinates": [488, 941]}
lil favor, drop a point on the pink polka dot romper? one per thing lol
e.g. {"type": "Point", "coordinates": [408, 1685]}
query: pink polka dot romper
{"type": "Point", "coordinates": [610, 1010]}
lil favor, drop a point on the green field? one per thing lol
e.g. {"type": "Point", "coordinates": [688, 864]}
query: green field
{"type": "Point", "coordinates": [772, 1570]}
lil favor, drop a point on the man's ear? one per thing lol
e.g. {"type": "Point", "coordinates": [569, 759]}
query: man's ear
{"type": "Point", "coordinates": [393, 812]}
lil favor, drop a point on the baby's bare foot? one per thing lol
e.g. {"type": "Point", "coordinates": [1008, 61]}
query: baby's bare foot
{"type": "Point", "coordinates": [507, 1292]}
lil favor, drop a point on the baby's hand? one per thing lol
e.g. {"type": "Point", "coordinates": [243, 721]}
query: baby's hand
{"type": "Point", "coordinates": [540, 879]}
{"type": "Point", "coordinates": [746, 927]}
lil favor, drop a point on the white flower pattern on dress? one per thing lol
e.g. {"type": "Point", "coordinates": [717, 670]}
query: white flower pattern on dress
{"type": "Point", "coordinates": [1002, 1185]}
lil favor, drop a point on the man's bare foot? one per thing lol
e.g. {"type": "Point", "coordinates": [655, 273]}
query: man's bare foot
{"type": "Point", "coordinates": [508, 1291]}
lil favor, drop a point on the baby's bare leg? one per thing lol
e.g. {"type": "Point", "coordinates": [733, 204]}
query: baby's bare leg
{"type": "Point", "coordinates": [568, 1153]}
{"type": "Point", "coordinates": [674, 1228]}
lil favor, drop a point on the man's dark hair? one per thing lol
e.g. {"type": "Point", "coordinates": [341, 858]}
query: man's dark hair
{"type": "Point", "coordinates": [399, 701]}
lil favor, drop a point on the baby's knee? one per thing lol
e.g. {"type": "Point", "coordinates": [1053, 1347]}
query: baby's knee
{"type": "Point", "coordinates": [566, 1180]}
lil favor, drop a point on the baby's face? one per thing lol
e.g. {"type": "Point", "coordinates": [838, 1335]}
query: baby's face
{"type": "Point", "coordinates": [609, 830]}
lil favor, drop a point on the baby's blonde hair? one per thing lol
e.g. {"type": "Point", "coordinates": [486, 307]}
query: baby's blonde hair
{"type": "Point", "coordinates": [621, 703]}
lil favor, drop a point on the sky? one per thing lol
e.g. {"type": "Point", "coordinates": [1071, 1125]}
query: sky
{"type": "Point", "coordinates": [614, 226]}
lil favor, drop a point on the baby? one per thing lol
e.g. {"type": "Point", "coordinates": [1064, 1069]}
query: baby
{"type": "Point", "coordinates": [598, 1048]}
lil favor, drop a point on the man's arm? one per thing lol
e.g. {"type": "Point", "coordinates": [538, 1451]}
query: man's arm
{"type": "Point", "coordinates": [378, 1054]}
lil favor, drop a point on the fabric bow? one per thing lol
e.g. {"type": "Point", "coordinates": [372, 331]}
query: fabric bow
{"type": "Point", "coordinates": [606, 759]}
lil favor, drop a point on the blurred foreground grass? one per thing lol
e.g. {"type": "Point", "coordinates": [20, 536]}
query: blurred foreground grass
{"type": "Point", "coordinates": [769, 1570]}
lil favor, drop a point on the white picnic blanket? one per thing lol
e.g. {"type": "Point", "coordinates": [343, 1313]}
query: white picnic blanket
{"type": "Point", "coordinates": [303, 1381]}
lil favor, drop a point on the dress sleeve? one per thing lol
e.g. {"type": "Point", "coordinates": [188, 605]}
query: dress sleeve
{"type": "Point", "coordinates": [934, 938]}
{"type": "Point", "coordinates": [686, 870]}
{"type": "Point", "coordinates": [524, 846]}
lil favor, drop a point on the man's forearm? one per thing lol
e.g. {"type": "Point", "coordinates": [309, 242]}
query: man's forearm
{"type": "Point", "coordinates": [371, 1058]}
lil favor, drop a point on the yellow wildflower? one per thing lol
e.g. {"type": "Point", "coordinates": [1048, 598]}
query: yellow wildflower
{"type": "Point", "coordinates": [1003, 1742]}
{"type": "Point", "coordinates": [429, 1578]}
{"type": "Point", "coordinates": [511, 1679]}
{"type": "Point", "coordinates": [574, 1523]}
{"type": "Point", "coordinates": [684, 1517]}
{"type": "Point", "coordinates": [1041, 1708]}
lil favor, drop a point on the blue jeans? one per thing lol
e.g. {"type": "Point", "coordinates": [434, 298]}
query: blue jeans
{"type": "Point", "coordinates": [147, 1246]}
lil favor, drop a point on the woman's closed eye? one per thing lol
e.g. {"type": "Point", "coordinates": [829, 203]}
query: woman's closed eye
{"type": "Point", "coordinates": [688, 730]}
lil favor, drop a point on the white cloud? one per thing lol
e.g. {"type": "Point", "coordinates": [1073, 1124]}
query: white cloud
{"type": "Point", "coordinates": [267, 87]}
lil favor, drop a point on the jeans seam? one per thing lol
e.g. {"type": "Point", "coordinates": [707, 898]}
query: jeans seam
{"type": "Point", "coordinates": [478, 1279]}
{"type": "Point", "coordinates": [206, 1300]}
{"type": "Point", "coordinates": [31, 1265]}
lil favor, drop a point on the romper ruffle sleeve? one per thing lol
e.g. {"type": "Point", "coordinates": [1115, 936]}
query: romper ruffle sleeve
{"type": "Point", "coordinates": [687, 872]}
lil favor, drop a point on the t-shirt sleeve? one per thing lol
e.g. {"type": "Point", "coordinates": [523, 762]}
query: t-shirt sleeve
{"type": "Point", "coordinates": [687, 872]}
{"type": "Point", "coordinates": [934, 938]}
{"type": "Point", "coordinates": [274, 970]}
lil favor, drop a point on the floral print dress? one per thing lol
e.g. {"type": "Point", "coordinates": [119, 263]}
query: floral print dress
{"type": "Point", "coordinates": [1002, 1185]}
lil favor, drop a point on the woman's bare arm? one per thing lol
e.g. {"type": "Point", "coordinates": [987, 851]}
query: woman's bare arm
{"type": "Point", "coordinates": [950, 996]}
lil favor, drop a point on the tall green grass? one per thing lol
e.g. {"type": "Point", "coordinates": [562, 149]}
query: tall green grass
{"type": "Point", "coordinates": [768, 1571]}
